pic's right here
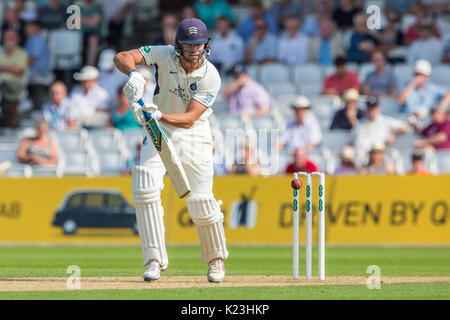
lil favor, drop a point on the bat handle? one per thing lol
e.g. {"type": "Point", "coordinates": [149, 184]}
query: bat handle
{"type": "Point", "coordinates": [147, 115]}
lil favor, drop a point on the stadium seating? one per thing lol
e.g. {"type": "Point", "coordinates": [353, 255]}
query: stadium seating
{"type": "Point", "coordinates": [111, 162]}
{"type": "Point", "coordinates": [79, 162]}
{"type": "Point", "coordinates": [131, 138]}
{"type": "Point", "coordinates": [72, 139]}
{"type": "Point", "coordinates": [443, 161]}
{"type": "Point", "coordinates": [274, 72]}
{"type": "Point", "coordinates": [66, 47]}
{"type": "Point", "coordinates": [277, 89]}
{"type": "Point", "coordinates": [105, 139]}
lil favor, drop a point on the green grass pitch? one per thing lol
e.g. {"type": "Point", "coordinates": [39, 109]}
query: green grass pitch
{"type": "Point", "coordinates": [52, 261]}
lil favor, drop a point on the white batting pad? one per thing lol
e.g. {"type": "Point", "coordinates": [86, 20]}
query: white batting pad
{"type": "Point", "coordinates": [146, 189]}
{"type": "Point", "coordinates": [208, 218]}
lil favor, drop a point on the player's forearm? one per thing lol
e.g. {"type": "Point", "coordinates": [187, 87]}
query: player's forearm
{"type": "Point", "coordinates": [179, 120]}
{"type": "Point", "coordinates": [437, 138]}
{"type": "Point", "coordinates": [404, 94]}
{"type": "Point", "coordinates": [127, 60]}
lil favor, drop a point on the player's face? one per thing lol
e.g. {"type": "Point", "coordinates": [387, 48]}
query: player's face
{"type": "Point", "coordinates": [193, 52]}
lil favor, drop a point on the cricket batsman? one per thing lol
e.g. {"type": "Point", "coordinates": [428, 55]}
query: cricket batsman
{"type": "Point", "coordinates": [187, 85]}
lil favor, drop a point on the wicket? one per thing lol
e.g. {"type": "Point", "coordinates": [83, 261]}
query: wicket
{"type": "Point", "coordinates": [321, 219]}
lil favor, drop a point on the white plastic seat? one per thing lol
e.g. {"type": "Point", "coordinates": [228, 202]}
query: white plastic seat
{"type": "Point", "coordinates": [19, 171]}
{"type": "Point", "coordinates": [311, 90]}
{"type": "Point", "coordinates": [72, 139]}
{"type": "Point", "coordinates": [8, 154]}
{"type": "Point", "coordinates": [66, 48]}
{"type": "Point", "coordinates": [131, 138]}
{"type": "Point", "coordinates": [283, 104]}
{"type": "Point", "coordinates": [403, 73]}
{"type": "Point", "coordinates": [105, 140]}
{"type": "Point", "coordinates": [220, 106]}
{"type": "Point", "coordinates": [263, 122]}
{"type": "Point", "coordinates": [441, 75]}
{"type": "Point", "coordinates": [442, 159]}
{"type": "Point", "coordinates": [253, 71]}
{"type": "Point", "coordinates": [111, 162]}
{"type": "Point", "coordinates": [308, 73]}
{"type": "Point", "coordinates": [43, 171]}
{"type": "Point", "coordinates": [78, 163]}
{"type": "Point", "coordinates": [389, 106]}
{"type": "Point", "coordinates": [227, 122]}
{"type": "Point", "coordinates": [335, 140]}
{"type": "Point", "coordinates": [280, 88]}
{"type": "Point", "coordinates": [274, 72]}
{"type": "Point", "coordinates": [405, 141]}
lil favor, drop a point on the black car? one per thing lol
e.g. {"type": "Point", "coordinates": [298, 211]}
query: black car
{"type": "Point", "coordinates": [95, 209]}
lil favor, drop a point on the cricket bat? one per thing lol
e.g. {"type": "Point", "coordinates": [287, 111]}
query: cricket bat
{"type": "Point", "coordinates": [167, 154]}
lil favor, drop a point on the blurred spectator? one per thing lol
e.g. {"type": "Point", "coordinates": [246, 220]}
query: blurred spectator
{"type": "Point", "coordinates": [150, 84]}
{"type": "Point", "coordinates": [380, 82]}
{"type": "Point", "coordinates": [437, 134]}
{"type": "Point", "coordinates": [91, 26]}
{"type": "Point", "coordinates": [58, 112]}
{"type": "Point", "coordinates": [262, 47]}
{"type": "Point", "coordinates": [376, 127]}
{"type": "Point", "coordinates": [412, 32]}
{"type": "Point", "coordinates": [325, 48]}
{"type": "Point", "coordinates": [173, 5]}
{"type": "Point", "coordinates": [39, 150]}
{"type": "Point", "coordinates": [246, 27]}
{"type": "Point", "coordinates": [342, 80]}
{"type": "Point", "coordinates": [426, 46]}
{"type": "Point", "coordinates": [293, 44]}
{"type": "Point", "coordinates": [349, 116]}
{"type": "Point", "coordinates": [13, 66]}
{"type": "Point", "coordinates": [88, 98]}
{"type": "Point", "coordinates": [12, 21]}
{"type": "Point", "coordinates": [209, 10]}
{"type": "Point", "coordinates": [446, 53]}
{"type": "Point", "coordinates": [249, 165]}
{"type": "Point", "coordinates": [115, 13]}
{"type": "Point", "coordinates": [301, 163]}
{"type": "Point", "coordinates": [378, 164]}
{"type": "Point", "coordinates": [347, 158]}
{"type": "Point", "coordinates": [188, 12]}
{"type": "Point", "coordinates": [391, 36]}
{"type": "Point", "coordinates": [110, 78]}
{"type": "Point", "coordinates": [39, 63]}
{"type": "Point", "coordinates": [421, 94]}
{"type": "Point", "coordinates": [245, 96]}
{"type": "Point", "coordinates": [169, 25]}
{"type": "Point", "coordinates": [121, 117]}
{"type": "Point", "coordinates": [305, 131]}
{"type": "Point", "coordinates": [312, 25]}
{"type": "Point", "coordinates": [53, 16]}
{"type": "Point", "coordinates": [227, 48]}
{"type": "Point", "coordinates": [402, 6]}
{"type": "Point", "coordinates": [437, 6]}
{"type": "Point", "coordinates": [362, 43]}
{"type": "Point", "coordinates": [344, 14]}
{"type": "Point", "coordinates": [418, 167]}
{"type": "Point", "coordinates": [283, 9]}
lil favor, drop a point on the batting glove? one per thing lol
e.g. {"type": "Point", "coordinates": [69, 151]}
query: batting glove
{"type": "Point", "coordinates": [134, 88]}
{"type": "Point", "coordinates": [138, 112]}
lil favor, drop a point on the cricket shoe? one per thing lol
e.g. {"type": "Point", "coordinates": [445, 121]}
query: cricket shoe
{"type": "Point", "coordinates": [216, 270]}
{"type": "Point", "coordinates": [153, 271]}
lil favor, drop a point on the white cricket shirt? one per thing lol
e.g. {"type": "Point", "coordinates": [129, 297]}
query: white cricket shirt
{"type": "Point", "coordinates": [175, 89]}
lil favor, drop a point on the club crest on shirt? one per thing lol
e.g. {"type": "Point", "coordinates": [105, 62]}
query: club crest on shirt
{"type": "Point", "coordinates": [193, 87]}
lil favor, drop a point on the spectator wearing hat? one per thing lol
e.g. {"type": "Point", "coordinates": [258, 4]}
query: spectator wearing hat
{"type": "Point", "coordinates": [262, 46]}
{"type": "Point", "coordinates": [53, 16]}
{"type": "Point", "coordinates": [426, 46]}
{"type": "Point", "coordinates": [39, 150]}
{"type": "Point", "coordinates": [39, 62]}
{"type": "Point", "coordinates": [89, 97]}
{"type": "Point", "coordinates": [13, 67]}
{"type": "Point", "coordinates": [209, 10]}
{"type": "Point", "coordinates": [350, 115]}
{"type": "Point", "coordinates": [342, 80]}
{"type": "Point", "coordinates": [362, 43]}
{"type": "Point", "coordinates": [227, 48]}
{"type": "Point", "coordinates": [381, 82]}
{"type": "Point", "coordinates": [293, 44]}
{"type": "Point", "coordinates": [58, 113]}
{"type": "Point", "coordinates": [437, 134]}
{"type": "Point", "coordinates": [328, 45]}
{"type": "Point", "coordinates": [305, 131]}
{"type": "Point", "coordinates": [421, 14]}
{"type": "Point", "coordinates": [419, 95]}
{"type": "Point", "coordinates": [110, 78]}
{"type": "Point", "coordinates": [301, 163]}
{"type": "Point", "coordinates": [418, 167]}
{"type": "Point", "coordinates": [347, 166]}
{"type": "Point", "coordinates": [377, 163]}
{"type": "Point", "coordinates": [245, 96]}
{"type": "Point", "coordinates": [247, 26]}
{"type": "Point", "coordinates": [376, 127]}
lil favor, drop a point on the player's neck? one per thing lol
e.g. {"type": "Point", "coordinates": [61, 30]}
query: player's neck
{"type": "Point", "coordinates": [189, 66]}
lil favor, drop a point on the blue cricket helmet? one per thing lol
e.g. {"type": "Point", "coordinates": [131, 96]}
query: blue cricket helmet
{"type": "Point", "coordinates": [192, 31]}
